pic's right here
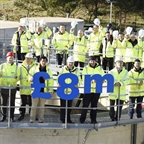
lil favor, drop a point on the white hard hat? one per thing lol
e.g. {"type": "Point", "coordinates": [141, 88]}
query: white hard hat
{"type": "Point", "coordinates": [118, 59]}
{"type": "Point", "coordinates": [29, 55]}
{"type": "Point", "coordinates": [73, 24]}
{"type": "Point", "coordinates": [70, 59]}
{"type": "Point", "coordinates": [141, 33]}
{"type": "Point", "coordinates": [128, 30]}
{"type": "Point", "coordinates": [97, 21]}
{"type": "Point", "coordinates": [42, 22]}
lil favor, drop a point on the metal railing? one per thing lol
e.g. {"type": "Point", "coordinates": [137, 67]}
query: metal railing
{"type": "Point", "coordinates": [103, 121]}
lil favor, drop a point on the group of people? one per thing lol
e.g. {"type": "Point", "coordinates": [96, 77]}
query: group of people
{"type": "Point", "coordinates": [122, 57]}
{"type": "Point", "coordinates": [11, 74]}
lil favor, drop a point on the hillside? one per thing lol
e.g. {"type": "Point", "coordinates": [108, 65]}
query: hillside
{"type": "Point", "coordinates": [14, 14]}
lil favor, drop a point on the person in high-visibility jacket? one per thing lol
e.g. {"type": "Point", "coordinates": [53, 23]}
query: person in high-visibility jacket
{"type": "Point", "coordinates": [108, 51]}
{"type": "Point", "coordinates": [119, 47]}
{"type": "Point", "coordinates": [80, 49]}
{"type": "Point", "coordinates": [37, 42]}
{"type": "Point", "coordinates": [42, 67]}
{"type": "Point", "coordinates": [121, 80]}
{"type": "Point", "coordinates": [141, 50]}
{"type": "Point", "coordinates": [95, 43]}
{"type": "Point", "coordinates": [93, 97]}
{"type": "Point", "coordinates": [69, 68]}
{"type": "Point", "coordinates": [132, 50]}
{"type": "Point", "coordinates": [61, 42]}
{"type": "Point", "coordinates": [20, 42]}
{"type": "Point", "coordinates": [9, 76]}
{"type": "Point", "coordinates": [136, 92]}
{"type": "Point", "coordinates": [25, 92]}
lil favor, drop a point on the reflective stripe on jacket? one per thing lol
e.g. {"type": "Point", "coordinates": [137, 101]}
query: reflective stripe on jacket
{"type": "Point", "coordinates": [123, 79]}
{"type": "Point", "coordinates": [135, 89]}
{"type": "Point", "coordinates": [9, 74]}
{"type": "Point", "coordinates": [24, 72]}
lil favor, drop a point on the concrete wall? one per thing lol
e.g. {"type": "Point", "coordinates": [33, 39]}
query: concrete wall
{"type": "Point", "coordinates": [118, 135]}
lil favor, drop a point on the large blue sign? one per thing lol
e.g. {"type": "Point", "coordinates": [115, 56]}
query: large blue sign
{"type": "Point", "coordinates": [74, 81]}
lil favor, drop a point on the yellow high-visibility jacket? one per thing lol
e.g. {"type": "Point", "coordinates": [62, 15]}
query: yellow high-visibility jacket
{"type": "Point", "coordinates": [75, 71]}
{"type": "Point", "coordinates": [23, 42]}
{"type": "Point", "coordinates": [108, 49]}
{"type": "Point", "coordinates": [24, 72]}
{"type": "Point", "coordinates": [48, 32]}
{"type": "Point", "coordinates": [48, 82]}
{"type": "Point", "coordinates": [132, 52]}
{"type": "Point", "coordinates": [136, 90]}
{"type": "Point", "coordinates": [61, 42]}
{"type": "Point", "coordinates": [120, 49]}
{"type": "Point", "coordinates": [94, 43]}
{"type": "Point", "coordinates": [141, 51]}
{"type": "Point", "coordinates": [123, 79]}
{"type": "Point", "coordinates": [37, 42]}
{"type": "Point", "coordinates": [80, 49]}
{"type": "Point", "coordinates": [9, 74]}
{"type": "Point", "coordinates": [88, 70]}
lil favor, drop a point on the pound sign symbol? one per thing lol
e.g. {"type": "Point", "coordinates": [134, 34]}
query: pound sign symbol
{"type": "Point", "coordinates": [37, 86]}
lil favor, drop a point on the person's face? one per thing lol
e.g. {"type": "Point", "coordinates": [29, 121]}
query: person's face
{"type": "Point", "coordinates": [121, 36]}
{"type": "Point", "coordinates": [108, 36]}
{"type": "Point", "coordinates": [95, 28]}
{"type": "Point", "coordinates": [10, 59]}
{"type": "Point", "coordinates": [43, 62]}
{"type": "Point", "coordinates": [137, 65]}
{"type": "Point", "coordinates": [70, 65]}
{"type": "Point", "coordinates": [92, 62]}
{"type": "Point", "coordinates": [62, 29]}
{"type": "Point", "coordinates": [132, 37]}
{"type": "Point", "coordinates": [80, 33]}
{"type": "Point", "coordinates": [28, 61]}
{"type": "Point", "coordinates": [20, 29]}
{"type": "Point", "coordinates": [119, 64]}
{"type": "Point", "coordinates": [39, 30]}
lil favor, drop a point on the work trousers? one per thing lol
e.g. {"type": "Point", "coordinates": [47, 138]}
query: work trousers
{"type": "Point", "coordinates": [60, 58]}
{"type": "Point", "coordinates": [25, 99]}
{"type": "Point", "coordinates": [87, 99]}
{"type": "Point", "coordinates": [81, 64]}
{"type": "Point", "coordinates": [114, 115]}
{"type": "Point", "coordinates": [128, 66]}
{"type": "Point", "coordinates": [38, 58]}
{"type": "Point", "coordinates": [62, 111]}
{"type": "Point", "coordinates": [5, 99]}
{"type": "Point", "coordinates": [40, 102]}
{"type": "Point", "coordinates": [138, 106]}
{"type": "Point", "coordinates": [108, 62]}
{"type": "Point", "coordinates": [23, 56]}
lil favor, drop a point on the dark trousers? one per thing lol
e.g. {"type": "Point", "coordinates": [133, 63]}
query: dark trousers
{"type": "Point", "coordinates": [113, 115]}
{"type": "Point", "coordinates": [81, 64]}
{"type": "Point", "coordinates": [18, 53]}
{"type": "Point", "coordinates": [5, 98]}
{"type": "Point", "coordinates": [38, 58]}
{"type": "Point", "coordinates": [97, 58]}
{"type": "Point", "coordinates": [87, 99]}
{"type": "Point", "coordinates": [25, 99]}
{"type": "Point", "coordinates": [62, 111]}
{"type": "Point", "coordinates": [108, 62]}
{"type": "Point", "coordinates": [23, 56]}
{"type": "Point", "coordinates": [60, 58]}
{"type": "Point", "coordinates": [138, 106]}
{"type": "Point", "coordinates": [128, 66]}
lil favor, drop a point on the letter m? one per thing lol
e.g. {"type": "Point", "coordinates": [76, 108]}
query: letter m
{"type": "Point", "coordinates": [99, 83]}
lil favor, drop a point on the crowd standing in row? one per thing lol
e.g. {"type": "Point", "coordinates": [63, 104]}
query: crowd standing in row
{"type": "Point", "coordinates": [104, 50]}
